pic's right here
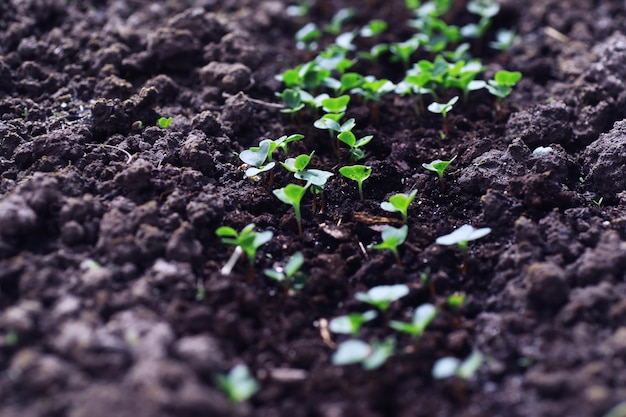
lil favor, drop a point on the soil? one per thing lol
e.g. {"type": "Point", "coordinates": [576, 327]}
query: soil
{"type": "Point", "coordinates": [111, 296]}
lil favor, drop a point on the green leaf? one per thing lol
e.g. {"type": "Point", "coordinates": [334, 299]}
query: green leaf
{"type": "Point", "coordinates": [336, 105]}
{"type": "Point", "coordinates": [294, 264]}
{"type": "Point", "coordinates": [356, 172]}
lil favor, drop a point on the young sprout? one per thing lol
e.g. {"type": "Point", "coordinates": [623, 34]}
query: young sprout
{"type": "Point", "coordinates": [255, 157]}
{"type": "Point", "coordinates": [383, 295]}
{"type": "Point", "coordinates": [373, 28]}
{"type": "Point", "coordinates": [358, 173]}
{"type": "Point", "coordinates": [290, 276]}
{"type": "Point", "coordinates": [370, 356]}
{"type": "Point", "coordinates": [505, 39]}
{"type": "Point", "coordinates": [502, 85]}
{"type": "Point", "coordinates": [297, 164]}
{"type": "Point", "coordinates": [373, 89]}
{"type": "Point", "coordinates": [349, 81]}
{"type": "Point", "coordinates": [443, 109]}
{"type": "Point", "coordinates": [456, 300]}
{"type": "Point", "coordinates": [238, 384]}
{"type": "Point", "coordinates": [399, 203]}
{"type": "Point", "coordinates": [422, 317]}
{"type": "Point", "coordinates": [355, 145]}
{"type": "Point", "coordinates": [317, 180]}
{"type": "Point", "coordinates": [292, 194]}
{"type": "Point", "coordinates": [461, 237]}
{"type": "Point", "coordinates": [338, 19]}
{"type": "Point", "coordinates": [307, 36]}
{"type": "Point", "coordinates": [439, 167]}
{"type": "Point", "coordinates": [336, 105]}
{"type": "Point", "coordinates": [164, 122]}
{"type": "Point", "coordinates": [334, 59]}
{"type": "Point", "coordinates": [247, 241]}
{"type": "Point", "coordinates": [450, 366]}
{"type": "Point", "coordinates": [292, 98]}
{"type": "Point", "coordinates": [392, 238]}
{"type": "Point", "coordinates": [403, 50]}
{"type": "Point", "coordinates": [462, 76]}
{"type": "Point", "coordinates": [351, 323]}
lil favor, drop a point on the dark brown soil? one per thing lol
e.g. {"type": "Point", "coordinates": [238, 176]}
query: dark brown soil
{"type": "Point", "coordinates": [81, 182]}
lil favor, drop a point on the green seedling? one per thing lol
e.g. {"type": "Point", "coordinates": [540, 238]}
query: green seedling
{"type": "Point", "coordinates": [164, 122]}
{"type": "Point", "coordinates": [297, 164]}
{"type": "Point", "coordinates": [308, 76]}
{"type": "Point", "coordinates": [505, 39]}
{"type": "Point", "coordinates": [599, 202]}
{"type": "Point", "coordinates": [349, 81]}
{"type": "Point", "coordinates": [255, 158]}
{"type": "Point", "coordinates": [392, 238]}
{"type": "Point", "coordinates": [334, 59]}
{"type": "Point", "coordinates": [247, 241]}
{"type": "Point", "coordinates": [351, 323]}
{"type": "Point", "coordinates": [439, 167]}
{"type": "Point", "coordinates": [292, 99]}
{"type": "Point", "coordinates": [449, 366]}
{"type": "Point", "coordinates": [426, 280]}
{"type": "Point", "coordinates": [399, 203]}
{"type": "Point", "coordinates": [383, 295]}
{"type": "Point", "coordinates": [486, 9]}
{"type": "Point", "coordinates": [373, 28]}
{"type": "Point", "coordinates": [422, 317]}
{"type": "Point", "coordinates": [307, 36]}
{"type": "Point", "coordinates": [443, 109]}
{"type": "Point", "coordinates": [317, 180]}
{"type": "Point", "coordinates": [402, 51]}
{"type": "Point", "coordinates": [462, 76]}
{"type": "Point", "coordinates": [290, 276]}
{"type": "Point", "coordinates": [372, 89]}
{"type": "Point", "coordinates": [238, 384]}
{"type": "Point", "coordinates": [355, 144]}
{"type": "Point", "coordinates": [502, 85]}
{"type": "Point", "coordinates": [338, 20]}
{"type": "Point", "coordinates": [456, 300]}
{"type": "Point", "coordinates": [375, 53]}
{"type": "Point", "coordinates": [330, 122]}
{"type": "Point", "coordinates": [370, 356]}
{"type": "Point", "coordinates": [461, 237]}
{"type": "Point", "coordinates": [336, 105]}
{"type": "Point", "coordinates": [292, 194]}
{"type": "Point", "coordinates": [358, 173]}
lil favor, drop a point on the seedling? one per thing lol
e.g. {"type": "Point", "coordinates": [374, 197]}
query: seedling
{"type": "Point", "coordinates": [461, 237]}
{"type": "Point", "coordinates": [290, 276]}
{"type": "Point", "coordinates": [450, 366]}
{"type": "Point", "coordinates": [383, 295]}
{"type": "Point", "coordinates": [358, 173]}
{"type": "Point", "coordinates": [338, 19]}
{"type": "Point", "coordinates": [598, 203]}
{"type": "Point", "coordinates": [456, 300]}
{"type": "Point", "coordinates": [349, 81]}
{"type": "Point", "coordinates": [399, 203]}
{"type": "Point", "coordinates": [307, 36]}
{"type": "Point", "coordinates": [422, 317]}
{"type": "Point", "coordinates": [164, 122]}
{"type": "Point", "coordinates": [439, 167]}
{"type": "Point", "coordinates": [351, 323]}
{"type": "Point", "coordinates": [255, 158]}
{"type": "Point", "coordinates": [238, 384]}
{"type": "Point", "coordinates": [317, 180]}
{"type": "Point", "coordinates": [502, 85]}
{"type": "Point", "coordinates": [505, 39]}
{"type": "Point", "coordinates": [462, 76]}
{"type": "Point", "coordinates": [403, 50]}
{"type": "Point", "coordinates": [247, 241]}
{"type": "Point", "coordinates": [443, 109]}
{"type": "Point", "coordinates": [297, 164]}
{"type": "Point", "coordinates": [392, 238]}
{"type": "Point", "coordinates": [426, 280]}
{"type": "Point", "coordinates": [355, 145]}
{"type": "Point", "coordinates": [292, 194]}
{"type": "Point", "coordinates": [373, 89]}
{"type": "Point", "coordinates": [336, 105]}
{"type": "Point", "coordinates": [334, 59]}
{"type": "Point", "coordinates": [373, 28]}
{"type": "Point", "coordinates": [370, 356]}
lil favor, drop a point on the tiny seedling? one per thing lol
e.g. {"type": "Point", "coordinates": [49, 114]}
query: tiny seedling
{"type": "Point", "coordinates": [456, 300]}
{"type": "Point", "coordinates": [402, 51]}
{"type": "Point", "coordinates": [336, 105]}
{"type": "Point", "coordinates": [422, 317]}
{"type": "Point", "coordinates": [383, 295]}
{"type": "Point", "coordinates": [461, 237]}
{"type": "Point", "coordinates": [450, 366]}
{"type": "Point", "coordinates": [290, 276]}
{"type": "Point", "coordinates": [439, 167]}
{"type": "Point", "coordinates": [317, 180]}
{"type": "Point", "coordinates": [505, 39]}
{"type": "Point", "coordinates": [164, 122]}
{"type": "Point", "coordinates": [297, 164]}
{"type": "Point", "coordinates": [598, 203]}
{"type": "Point", "coordinates": [392, 238]}
{"type": "Point", "coordinates": [399, 203]}
{"type": "Point", "coordinates": [351, 323]}
{"type": "Point", "coordinates": [501, 86]}
{"type": "Point", "coordinates": [255, 158]}
{"type": "Point", "coordinates": [338, 19]}
{"type": "Point", "coordinates": [355, 145]}
{"type": "Point", "coordinates": [307, 36]}
{"type": "Point", "coordinates": [358, 173]}
{"type": "Point", "coordinates": [443, 109]}
{"type": "Point", "coordinates": [370, 356]}
{"type": "Point", "coordinates": [247, 241]}
{"type": "Point", "coordinates": [238, 384]}
{"type": "Point", "coordinates": [373, 28]}
{"type": "Point", "coordinates": [292, 194]}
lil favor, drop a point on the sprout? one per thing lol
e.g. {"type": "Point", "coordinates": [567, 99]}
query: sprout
{"type": "Point", "coordinates": [422, 317]}
{"type": "Point", "coordinates": [306, 37]}
{"type": "Point", "coordinates": [358, 173]}
{"type": "Point", "coordinates": [351, 323]}
{"type": "Point", "coordinates": [247, 241]}
{"type": "Point", "coordinates": [164, 122]}
{"type": "Point", "coordinates": [350, 80]}
{"type": "Point", "coordinates": [370, 356]}
{"type": "Point", "coordinates": [399, 203]}
{"type": "Point", "coordinates": [255, 157]}
{"type": "Point", "coordinates": [338, 19]}
{"type": "Point", "coordinates": [450, 366]}
{"type": "Point", "coordinates": [403, 50]}
{"type": "Point", "coordinates": [373, 28]}
{"type": "Point", "coordinates": [336, 105]}
{"type": "Point", "coordinates": [317, 179]}
{"type": "Point", "coordinates": [502, 85]}
{"type": "Point", "coordinates": [238, 384]}
{"type": "Point", "coordinates": [461, 237]}
{"type": "Point", "coordinates": [383, 295]}
{"type": "Point", "coordinates": [439, 167]}
{"type": "Point", "coordinates": [292, 194]}
{"type": "Point", "coordinates": [443, 109]}
{"type": "Point", "coordinates": [505, 38]}
{"type": "Point", "coordinates": [297, 164]}
{"type": "Point", "coordinates": [355, 145]}
{"type": "Point", "coordinates": [392, 238]}
{"type": "Point", "coordinates": [456, 300]}
{"type": "Point", "coordinates": [292, 98]}
{"type": "Point", "coordinates": [290, 276]}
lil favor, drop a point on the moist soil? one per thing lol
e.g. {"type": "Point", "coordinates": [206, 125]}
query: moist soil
{"type": "Point", "coordinates": [111, 293]}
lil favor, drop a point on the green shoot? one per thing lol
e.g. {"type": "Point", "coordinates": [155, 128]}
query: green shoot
{"type": "Point", "coordinates": [403, 50]}
{"type": "Point", "coordinates": [456, 300]}
{"type": "Point", "coordinates": [247, 241]}
{"type": "Point", "coordinates": [383, 295]}
{"type": "Point", "coordinates": [317, 180]}
{"type": "Point", "coordinates": [290, 276]}
{"type": "Point", "coordinates": [422, 317]}
{"type": "Point", "coordinates": [370, 356]}
{"type": "Point", "coordinates": [461, 237]}
{"type": "Point", "coordinates": [350, 80]}
{"type": "Point", "coordinates": [358, 173]}
{"type": "Point", "coordinates": [164, 122]}
{"type": "Point", "coordinates": [255, 158]}
{"type": "Point", "coordinates": [351, 323]}
{"type": "Point", "coordinates": [501, 86]}
{"type": "Point", "coordinates": [338, 19]}
{"type": "Point", "coordinates": [392, 238]}
{"type": "Point", "coordinates": [443, 109]}
{"type": "Point", "coordinates": [292, 99]}
{"type": "Point", "coordinates": [355, 145]}
{"type": "Point", "coordinates": [292, 194]}
{"type": "Point", "coordinates": [399, 203]}
{"type": "Point", "coordinates": [373, 28]}
{"type": "Point", "coordinates": [307, 36]}
{"type": "Point", "coordinates": [297, 164]}
{"type": "Point", "coordinates": [238, 384]}
{"type": "Point", "coordinates": [336, 105]}
{"type": "Point", "coordinates": [439, 167]}
{"type": "Point", "coordinates": [599, 202]}
{"type": "Point", "coordinates": [450, 366]}
{"type": "Point", "coordinates": [505, 39]}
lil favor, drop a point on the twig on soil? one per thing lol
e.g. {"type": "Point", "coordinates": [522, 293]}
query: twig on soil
{"type": "Point", "coordinates": [228, 267]}
{"type": "Point", "coordinates": [362, 247]}
{"type": "Point", "coordinates": [325, 334]}
{"type": "Point", "coordinates": [128, 155]}
{"type": "Point", "coordinates": [555, 34]}
{"type": "Point", "coordinates": [259, 102]}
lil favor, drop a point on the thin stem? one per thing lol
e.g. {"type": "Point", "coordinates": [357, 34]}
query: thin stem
{"type": "Point", "coordinates": [360, 184]}
{"type": "Point", "coordinates": [228, 267]}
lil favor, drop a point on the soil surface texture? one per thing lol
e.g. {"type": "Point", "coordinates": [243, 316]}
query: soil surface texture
{"type": "Point", "coordinates": [113, 297]}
